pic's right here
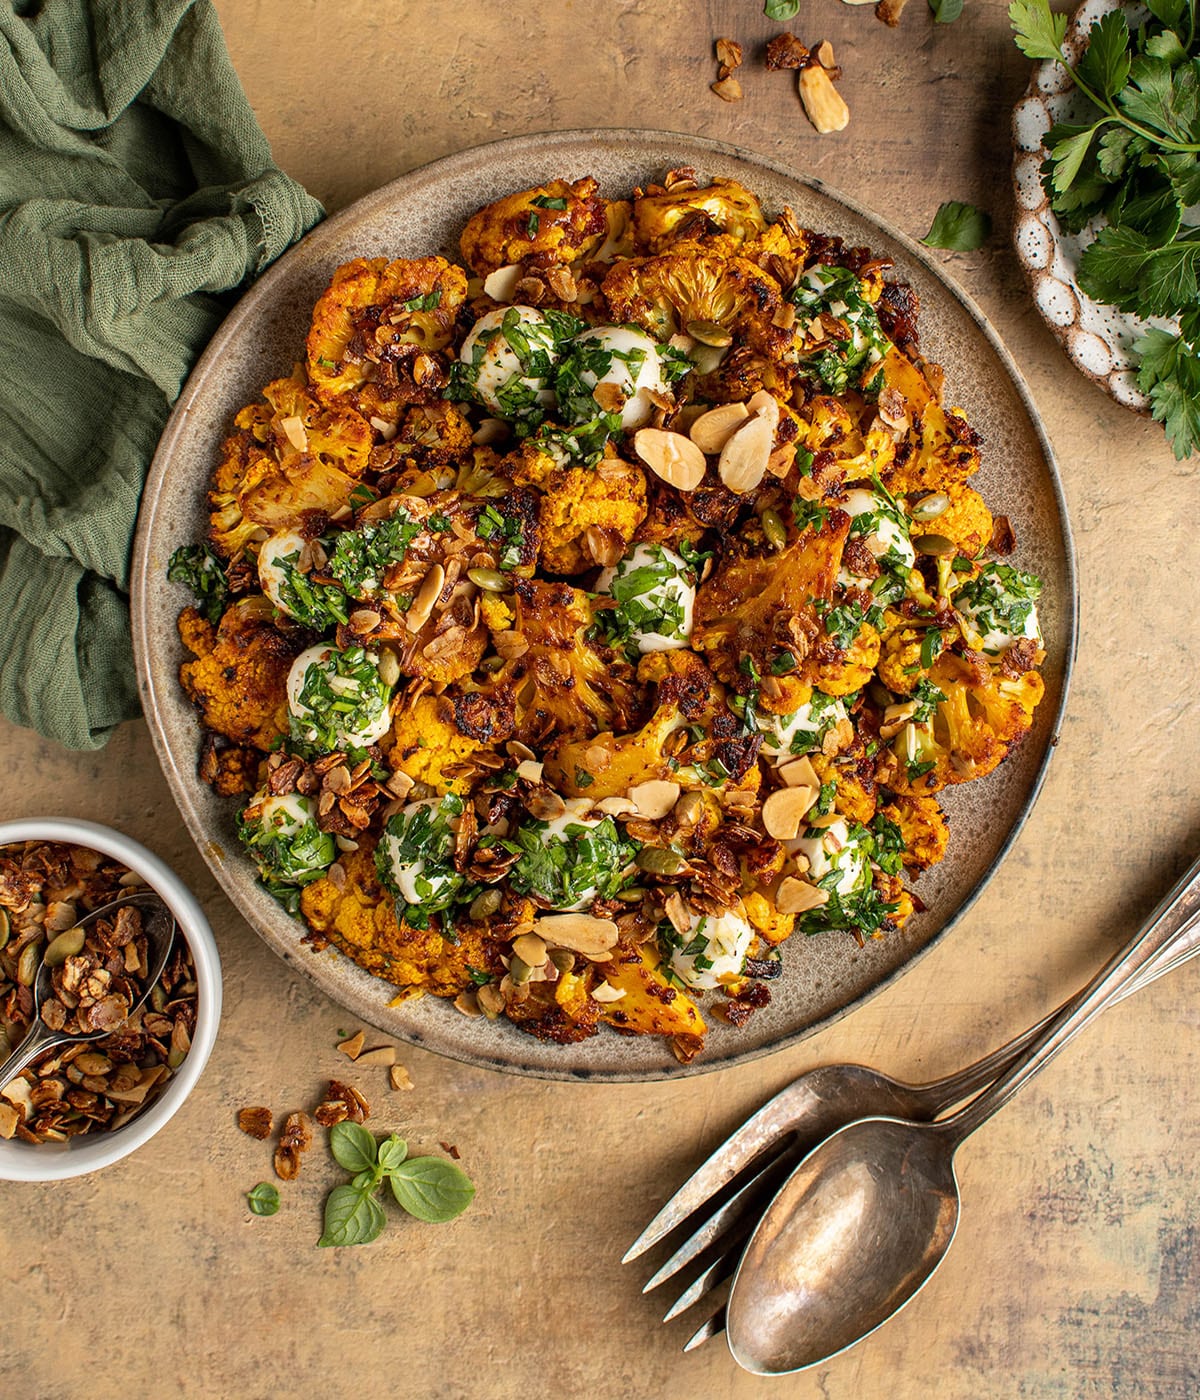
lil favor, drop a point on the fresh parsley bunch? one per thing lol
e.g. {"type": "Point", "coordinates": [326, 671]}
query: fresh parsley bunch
{"type": "Point", "coordinates": [429, 1188]}
{"type": "Point", "coordinates": [1132, 163]}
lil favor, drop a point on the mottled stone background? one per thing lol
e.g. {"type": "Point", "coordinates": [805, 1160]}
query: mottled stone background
{"type": "Point", "coordinates": [1077, 1269]}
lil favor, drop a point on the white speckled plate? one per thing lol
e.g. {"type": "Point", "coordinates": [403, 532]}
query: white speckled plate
{"type": "Point", "coordinates": [423, 212]}
{"type": "Point", "coordinates": [1097, 338]}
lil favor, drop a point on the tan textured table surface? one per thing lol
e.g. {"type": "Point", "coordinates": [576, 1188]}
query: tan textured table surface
{"type": "Point", "coordinates": [1077, 1268]}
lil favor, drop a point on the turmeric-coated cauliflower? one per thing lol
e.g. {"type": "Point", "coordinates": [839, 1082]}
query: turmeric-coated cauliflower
{"type": "Point", "coordinates": [684, 210]}
{"type": "Point", "coordinates": [552, 223]}
{"type": "Point", "coordinates": [589, 515]}
{"type": "Point", "coordinates": [238, 680]}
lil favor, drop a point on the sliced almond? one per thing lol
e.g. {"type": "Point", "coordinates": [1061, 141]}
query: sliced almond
{"type": "Point", "coordinates": [9, 1117]}
{"type": "Point", "coordinates": [671, 456]}
{"type": "Point", "coordinates": [712, 430]}
{"type": "Point", "coordinates": [294, 431]}
{"type": "Point", "coordinates": [823, 53]}
{"type": "Point", "coordinates": [825, 106]}
{"type": "Point", "coordinates": [800, 773]}
{"type": "Point", "coordinates": [581, 933]}
{"type": "Point", "coordinates": [766, 406]}
{"type": "Point", "coordinates": [798, 896]}
{"type": "Point", "coordinates": [427, 595]}
{"type": "Point", "coordinates": [728, 89]}
{"type": "Point", "coordinates": [744, 458]}
{"type": "Point", "coordinates": [398, 1076]}
{"type": "Point", "coordinates": [654, 799]}
{"type": "Point", "coordinates": [380, 1055]}
{"type": "Point", "coordinates": [501, 285]}
{"type": "Point", "coordinates": [531, 949]}
{"type": "Point", "coordinates": [352, 1048]}
{"type": "Point", "coordinates": [530, 769]}
{"type": "Point", "coordinates": [466, 1002]}
{"type": "Point", "coordinates": [615, 806]}
{"type": "Point", "coordinates": [605, 992]}
{"type": "Point", "coordinates": [490, 999]}
{"type": "Point", "coordinates": [895, 717]}
{"type": "Point", "coordinates": [779, 463]}
{"type": "Point", "coordinates": [783, 812]}
{"type": "Point", "coordinates": [387, 431]}
{"type": "Point", "coordinates": [611, 397]}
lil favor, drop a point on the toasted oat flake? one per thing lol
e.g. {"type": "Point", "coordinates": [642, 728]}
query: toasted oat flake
{"type": "Point", "coordinates": [256, 1122]}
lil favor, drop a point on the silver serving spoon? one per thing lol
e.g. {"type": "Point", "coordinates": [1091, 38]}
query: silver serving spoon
{"type": "Point", "coordinates": [868, 1215]}
{"type": "Point", "coordinates": [159, 928]}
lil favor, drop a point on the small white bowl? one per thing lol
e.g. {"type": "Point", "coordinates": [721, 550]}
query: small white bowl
{"type": "Point", "coordinates": [25, 1161]}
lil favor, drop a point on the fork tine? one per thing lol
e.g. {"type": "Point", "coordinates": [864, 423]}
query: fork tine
{"type": "Point", "coordinates": [725, 1218]}
{"type": "Point", "coordinates": [713, 1277]}
{"type": "Point", "coordinates": [712, 1328]}
{"type": "Point", "coordinates": [757, 1133]}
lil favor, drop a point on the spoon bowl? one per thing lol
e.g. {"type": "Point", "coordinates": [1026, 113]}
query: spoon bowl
{"type": "Point", "coordinates": [855, 1232]}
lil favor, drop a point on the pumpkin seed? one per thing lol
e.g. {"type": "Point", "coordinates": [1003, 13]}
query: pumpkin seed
{"type": "Point", "coordinates": [5, 927]}
{"type": "Point", "coordinates": [933, 544]}
{"type": "Point", "coordinates": [774, 529]}
{"type": "Point", "coordinates": [484, 905]}
{"type": "Point", "coordinates": [632, 895]}
{"type": "Point", "coordinates": [563, 959]}
{"type": "Point", "coordinates": [65, 946]}
{"type": "Point", "coordinates": [659, 860]}
{"type": "Point", "coordinates": [880, 694]}
{"type": "Point", "coordinates": [490, 580]}
{"type": "Point", "coordinates": [930, 507]}
{"type": "Point", "coordinates": [709, 333]}
{"type": "Point", "coordinates": [27, 964]}
{"type": "Point", "coordinates": [519, 971]}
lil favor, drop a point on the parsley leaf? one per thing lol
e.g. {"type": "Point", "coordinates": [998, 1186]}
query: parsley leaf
{"type": "Point", "coordinates": [946, 11]}
{"type": "Point", "coordinates": [781, 10]}
{"type": "Point", "coordinates": [959, 227]}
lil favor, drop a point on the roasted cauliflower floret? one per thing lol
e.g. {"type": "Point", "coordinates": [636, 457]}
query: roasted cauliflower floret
{"type": "Point", "coordinates": [938, 447]}
{"type": "Point", "coordinates": [665, 216]}
{"type": "Point", "coordinates": [923, 827]}
{"type": "Point", "coordinates": [358, 917]}
{"type": "Point", "coordinates": [552, 223]}
{"type": "Point", "coordinates": [588, 514]}
{"type": "Point", "coordinates": [650, 1004]}
{"type": "Point", "coordinates": [301, 424]}
{"type": "Point", "coordinates": [426, 741]}
{"type": "Point", "coordinates": [664, 295]}
{"type": "Point", "coordinates": [966, 522]}
{"type": "Point", "coordinates": [767, 607]}
{"type": "Point", "coordinates": [238, 680]}
{"type": "Point", "coordinates": [972, 726]}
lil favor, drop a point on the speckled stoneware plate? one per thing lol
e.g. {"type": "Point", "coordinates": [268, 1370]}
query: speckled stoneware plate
{"type": "Point", "coordinates": [423, 212]}
{"type": "Point", "coordinates": [1098, 339]}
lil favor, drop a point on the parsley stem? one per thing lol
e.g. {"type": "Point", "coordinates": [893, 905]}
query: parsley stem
{"type": "Point", "coordinates": [1115, 114]}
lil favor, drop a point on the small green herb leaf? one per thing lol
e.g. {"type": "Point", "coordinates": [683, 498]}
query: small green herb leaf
{"type": "Point", "coordinates": [353, 1147]}
{"type": "Point", "coordinates": [392, 1151]}
{"type": "Point", "coordinates": [263, 1199]}
{"type": "Point", "coordinates": [432, 1189]}
{"type": "Point", "coordinates": [946, 11]}
{"type": "Point", "coordinates": [351, 1217]}
{"type": "Point", "coordinates": [1039, 32]}
{"type": "Point", "coordinates": [959, 227]}
{"type": "Point", "coordinates": [1105, 65]}
{"type": "Point", "coordinates": [781, 10]}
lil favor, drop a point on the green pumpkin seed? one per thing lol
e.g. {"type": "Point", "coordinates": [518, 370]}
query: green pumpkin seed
{"type": "Point", "coordinates": [27, 964]}
{"type": "Point", "coordinates": [484, 905]}
{"type": "Point", "coordinates": [175, 1058]}
{"type": "Point", "coordinates": [491, 580]}
{"type": "Point", "coordinates": [158, 997]}
{"type": "Point", "coordinates": [631, 895]}
{"type": "Point", "coordinates": [65, 946]}
{"type": "Point", "coordinates": [519, 971]}
{"type": "Point", "coordinates": [563, 959]}
{"type": "Point", "coordinates": [709, 333]}
{"type": "Point", "coordinates": [934, 544]}
{"type": "Point", "coordinates": [5, 927]}
{"type": "Point", "coordinates": [880, 694]}
{"type": "Point", "coordinates": [774, 529]}
{"type": "Point", "coordinates": [930, 507]}
{"type": "Point", "coordinates": [659, 860]}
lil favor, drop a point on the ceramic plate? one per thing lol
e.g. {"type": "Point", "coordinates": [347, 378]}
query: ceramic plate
{"type": "Point", "coordinates": [423, 212]}
{"type": "Point", "coordinates": [1098, 338]}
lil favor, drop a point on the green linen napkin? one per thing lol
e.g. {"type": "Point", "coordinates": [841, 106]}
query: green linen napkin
{"type": "Point", "coordinates": [135, 188]}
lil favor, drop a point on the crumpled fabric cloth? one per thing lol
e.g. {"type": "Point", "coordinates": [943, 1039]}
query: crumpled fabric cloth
{"type": "Point", "coordinates": [137, 193]}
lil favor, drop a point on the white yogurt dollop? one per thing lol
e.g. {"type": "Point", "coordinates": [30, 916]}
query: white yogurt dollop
{"type": "Point", "coordinates": [829, 849]}
{"type": "Point", "coordinates": [354, 710]}
{"type": "Point", "coordinates": [415, 880]}
{"type": "Point", "coordinates": [801, 731]}
{"type": "Point", "coordinates": [885, 534]}
{"type": "Point", "coordinates": [656, 598]}
{"type": "Point", "coordinates": [713, 950]}
{"type": "Point", "coordinates": [511, 371]}
{"type": "Point", "coordinates": [628, 359]}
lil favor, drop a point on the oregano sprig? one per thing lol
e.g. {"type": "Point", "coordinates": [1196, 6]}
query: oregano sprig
{"type": "Point", "coordinates": [429, 1188]}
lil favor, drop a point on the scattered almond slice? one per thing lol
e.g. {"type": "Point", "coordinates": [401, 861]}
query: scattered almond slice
{"type": "Point", "coordinates": [744, 458]}
{"type": "Point", "coordinates": [671, 456]}
{"type": "Point", "coordinates": [798, 896]}
{"type": "Point", "coordinates": [605, 992]}
{"type": "Point", "coordinates": [295, 433]}
{"type": "Point", "coordinates": [417, 616]}
{"type": "Point", "coordinates": [783, 812]}
{"type": "Point", "coordinates": [825, 106]}
{"type": "Point", "coordinates": [712, 430]}
{"type": "Point", "coordinates": [352, 1048]}
{"type": "Point", "coordinates": [530, 949]}
{"type": "Point", "coordinates": [615, 806]}
{"type": "Point", "coordinates": [380, 1055]}
{"type": "Point", "coordinates": [530, 769]}
{"type": "Point", "coordinates": [581, 933]}
{"type": "Point", "coordinates": [728, 89]}
{"type": "Point", "coordinates": [654, 799]}
{"type": "Point", "coordinates": [501, 285]}
{"type": "Point", "coordinates": [800, 773]}
{"type": "Point", "coordinates": [765, 405]}
{"type": "Point", "coordinates": [399, 1078]}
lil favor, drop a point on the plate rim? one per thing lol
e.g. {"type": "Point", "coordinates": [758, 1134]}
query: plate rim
{"type": "Point", "coordinates": [700, 149]}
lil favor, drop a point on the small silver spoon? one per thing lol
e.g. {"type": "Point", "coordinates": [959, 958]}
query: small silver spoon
{"type": "Point", "coordinates": [865, 1219]}
{"type": "Point", "coordinates": [159, 928]}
